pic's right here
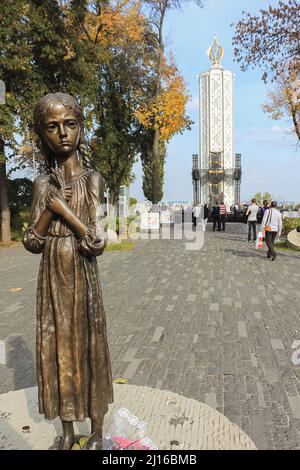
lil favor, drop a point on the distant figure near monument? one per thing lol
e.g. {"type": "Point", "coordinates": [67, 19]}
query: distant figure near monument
{"type": "Point", "coordinates": [73, 362]}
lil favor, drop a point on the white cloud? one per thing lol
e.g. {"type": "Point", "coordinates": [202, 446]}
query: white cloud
{"type": "Point", "coordinates": [253, 179]}
{"type": "Point", "coordinates": [275, 135]}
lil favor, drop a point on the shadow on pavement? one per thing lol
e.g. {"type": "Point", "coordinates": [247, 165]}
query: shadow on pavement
{"type": "Point", "coordinates": [20, 359]}
{"type": "Point", "coordinates": [246, 254]}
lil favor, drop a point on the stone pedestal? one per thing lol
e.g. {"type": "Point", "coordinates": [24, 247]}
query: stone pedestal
{"type": "Point", "coordinates": [174, 422]}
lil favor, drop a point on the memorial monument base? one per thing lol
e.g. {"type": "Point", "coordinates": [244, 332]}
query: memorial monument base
{"type": "Point", "coordinates": [174, 422]}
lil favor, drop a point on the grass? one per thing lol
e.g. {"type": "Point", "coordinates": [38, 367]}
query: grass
{"type": "Point", "coordinates": [12, 244]}
{"type": "Point", "coordinates": [123, 246]}
{"type": "Point", "coordinates": [16, 239]}
{"type": "Point", "coordinates": [282, 246]}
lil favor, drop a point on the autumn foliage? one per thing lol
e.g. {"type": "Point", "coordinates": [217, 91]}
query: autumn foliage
{"type": "Point", "coordinates": [108, 53]}
{"type": "Point", "coordinates": [271, 42]}
{"type": "Point", "coordinates": [114, 24]}
{"type": "Point", "coordinates": [284, 100]}
{"type": "Point", "coordinates": [119, 25]}
{"type": "Point", "coordinates": [166, 111]}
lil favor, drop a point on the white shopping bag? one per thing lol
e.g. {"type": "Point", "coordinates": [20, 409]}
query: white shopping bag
{"type": "Point", "coordinates": [259, 240]}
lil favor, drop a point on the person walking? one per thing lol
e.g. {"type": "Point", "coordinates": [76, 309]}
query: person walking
{"type": "Point", "coordinates": [196, 215]}
{"type": "Point", "coordinates": [252, 219]}
{"type": "Point", "coordinates": [235, 211]}
{"type": "Point", "coordinates": [223, 213]}
{"type": "Point", "coordinates": [272, 225]}
{"type": "Point", "coordinates": [262, 211]}
{"type": "Point", "coordinates": [206, 215]}
{"type": "Point", "coordinates": [265, 206]}
{"type": "Point", "coordinates": [216, 216]}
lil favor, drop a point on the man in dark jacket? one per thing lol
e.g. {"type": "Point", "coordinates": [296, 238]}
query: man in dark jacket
{"type": "Point", "coordinates": [265, 206]}
{"type": "Point", "coordinates": [206, 211]}
{"type": "Point", "coordinates": [216, 216]}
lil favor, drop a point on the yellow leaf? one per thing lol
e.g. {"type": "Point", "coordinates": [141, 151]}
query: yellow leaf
{"type": "Point", "coordinates": [120, 381]}
{"type": "Point", "coordinates": [76, 446]}
{"type": "Point", "coordinates": [83, 440]}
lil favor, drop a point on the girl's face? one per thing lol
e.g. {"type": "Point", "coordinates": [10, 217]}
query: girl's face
{"type": "Point", "coordinates": [60, 129]}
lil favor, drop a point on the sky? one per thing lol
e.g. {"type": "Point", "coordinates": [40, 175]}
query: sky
{"type": "Point", "coordinates": [270, 162]}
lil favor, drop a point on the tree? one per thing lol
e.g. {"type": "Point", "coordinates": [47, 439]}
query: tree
{"type": "Point", "coordinates": [271, 42]}
{"type": "Point", "coordinates": [162, 116]}
{"type": "Point", "coordinates": [123, 43]}
{"type": "Point", "coordinates": [20, 194]}
{"type": "Point", "coordinates": [166, 111]}
{"type": "Point", "coordinates": [157, 120]}
{"type": "Point", "coordinates": [104, 52]}
{"type": "Point", "coordinates": [20, 198]}
{"type": "Point", "coordinates": [16, 72]}
{"type": "Point", "coordinates": [38, 55]}
{"type": "Point", "coordinates": [96, 50]}
{"type": "Point", "coordinates": [284, 100]}
{"type": "Point", "coordinates": [147, 165]}
{"type": "Point", "coordinates": [261, 197]}
{"type": "Point", "coordinates": [114, 140]}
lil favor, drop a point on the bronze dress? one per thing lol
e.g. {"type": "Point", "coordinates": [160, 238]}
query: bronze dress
{"type": "Point", "coordinates": [73, 362]}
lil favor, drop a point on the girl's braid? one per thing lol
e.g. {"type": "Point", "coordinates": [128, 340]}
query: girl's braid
{"type": "Point", "coordinates": [84, 154]}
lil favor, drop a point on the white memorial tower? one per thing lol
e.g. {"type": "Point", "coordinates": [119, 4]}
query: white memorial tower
{"type": "Point", "coordinates": [217, 170]}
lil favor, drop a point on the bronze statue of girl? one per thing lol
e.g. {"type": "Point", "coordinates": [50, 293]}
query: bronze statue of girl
{"type": "Point", "coordinates": [73, 363]}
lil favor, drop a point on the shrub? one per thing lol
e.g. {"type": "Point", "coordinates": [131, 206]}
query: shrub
{"type": "Point", "coordinates": [19, 195]}
{"type": "Point", "coordinates": [20, 220]}
{"type": "Point", "coordinates": [113, 223]}
{"type": "Point", "coordinates": [132, 201]}
{"type": "Point", "coordinates": [289, 224]}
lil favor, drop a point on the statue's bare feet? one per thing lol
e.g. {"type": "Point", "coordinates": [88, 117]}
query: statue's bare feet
{"type": "Point", "coordinates": [67, 442]}
{"type": "Point", "coordinates": [68, 435]}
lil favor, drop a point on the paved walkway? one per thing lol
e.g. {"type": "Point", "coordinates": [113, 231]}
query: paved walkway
{"type": "Point", "coordinates": [216, 325]}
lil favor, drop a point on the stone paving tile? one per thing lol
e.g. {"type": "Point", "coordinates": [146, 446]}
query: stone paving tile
{"type": "Point", "coordinates": [242, 329]}
{"type": "Point", "coordinates": [170, 308]}
{"type": "Point", "coordinates": [130, 353]}
{"type": "Point", "coordinates": [295, 406]}
{"type": "Point", "coordinates": [191, 298]}
{"type": "Point", "coordinates": [200, 348]}
{"type": "Point", "coordinates": [158, 297]}
{"type": "Point", "coordinates": [131, 369]}
{"type": "Point", "coordinates": [158, 334]}
{"type": "Point", "coordinates": [277, 344]}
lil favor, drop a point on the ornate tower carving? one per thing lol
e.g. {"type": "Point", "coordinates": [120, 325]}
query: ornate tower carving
{"type": "Point", "coordinates": [216, 154]}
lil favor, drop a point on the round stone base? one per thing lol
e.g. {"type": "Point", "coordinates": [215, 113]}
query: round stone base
{"type": "Point", "coordinates": [293, 240]}
{"type": "Point", "coordinates": [174, 422]}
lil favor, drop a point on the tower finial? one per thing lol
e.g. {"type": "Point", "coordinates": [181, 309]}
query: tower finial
{"type": "Point", "coordinates": [215, 52]}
